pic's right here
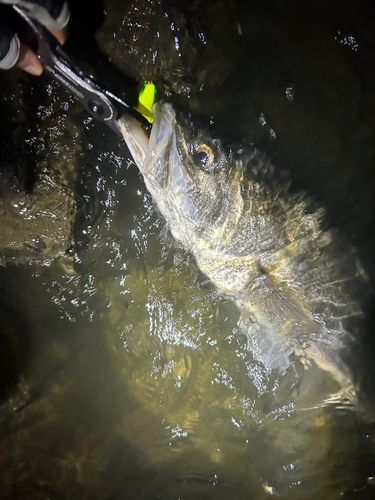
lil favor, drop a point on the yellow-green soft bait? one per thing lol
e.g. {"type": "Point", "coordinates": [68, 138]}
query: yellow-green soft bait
{"type": "Point", "coordinates": [146, 101]}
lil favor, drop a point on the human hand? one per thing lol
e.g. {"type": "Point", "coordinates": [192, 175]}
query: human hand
{"type": "Point", "coordinates": [53, 14]}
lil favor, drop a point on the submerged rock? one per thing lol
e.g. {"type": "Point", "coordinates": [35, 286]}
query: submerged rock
{"type": "Point", "coordinates": [37, 172]}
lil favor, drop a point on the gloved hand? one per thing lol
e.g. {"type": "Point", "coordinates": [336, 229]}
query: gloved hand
{"type": "Point", "coordinates": [53, 14]}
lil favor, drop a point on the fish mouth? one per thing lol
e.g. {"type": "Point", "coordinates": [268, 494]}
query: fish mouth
{"type": "Point", "coordinates": [135, 137]}
{"type": "Point", "coordinates": [148, 152]}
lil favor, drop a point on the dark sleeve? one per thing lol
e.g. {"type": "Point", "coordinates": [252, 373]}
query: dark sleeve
{"type": "Point", "coordinates": [9, 48]}
{"type": "Point", "coordinates": [54, 14]}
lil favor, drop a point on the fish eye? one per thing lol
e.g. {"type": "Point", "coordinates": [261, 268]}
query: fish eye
{"type": "Point", "coordinates": [205, 155]}
{"type": "Point", "coordinates": [202, 157]}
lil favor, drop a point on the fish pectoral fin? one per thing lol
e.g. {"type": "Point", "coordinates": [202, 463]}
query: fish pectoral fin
{"type": "Point", "coordinates": [266, 346]}
{"type": "Point", "coordinates": [280, 308]}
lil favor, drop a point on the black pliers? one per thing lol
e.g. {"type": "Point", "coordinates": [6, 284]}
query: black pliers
{"type": "Point", "coordinates": [99, 102]}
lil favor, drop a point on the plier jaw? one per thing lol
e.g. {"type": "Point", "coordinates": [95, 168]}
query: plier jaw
{"type": "Point", "coordinates": [99, 102]}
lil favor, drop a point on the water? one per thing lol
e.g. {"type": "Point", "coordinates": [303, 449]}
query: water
{"type": "Point", "coordinates": [124, 374]}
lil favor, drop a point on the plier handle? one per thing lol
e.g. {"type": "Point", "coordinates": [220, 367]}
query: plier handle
{"type": "Point", "coordinates": [102, 104]}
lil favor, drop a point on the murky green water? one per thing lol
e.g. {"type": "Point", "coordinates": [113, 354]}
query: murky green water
{"type": "Point", "coordinates": [123, 371]}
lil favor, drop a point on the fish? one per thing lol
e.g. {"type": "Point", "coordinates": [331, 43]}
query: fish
{"type": "Point", "coordinates": [295, 281]}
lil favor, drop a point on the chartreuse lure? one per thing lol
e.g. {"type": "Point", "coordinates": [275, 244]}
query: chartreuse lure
{"type": "Point", "coordinates": [146, 101]}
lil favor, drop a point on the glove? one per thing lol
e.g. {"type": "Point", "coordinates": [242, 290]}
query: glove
{"type": "Point", "coordinates": [54, 14]}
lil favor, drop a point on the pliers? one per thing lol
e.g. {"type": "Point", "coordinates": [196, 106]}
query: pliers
{"type": "Point", "coordinates": [98, 101]}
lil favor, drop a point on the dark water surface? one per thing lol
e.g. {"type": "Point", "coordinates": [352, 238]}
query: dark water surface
{"type": "Point", "coordinates": [123, 373]}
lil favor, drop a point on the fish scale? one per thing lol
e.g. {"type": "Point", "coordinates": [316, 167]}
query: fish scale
{"type": "Point", "coordinates": [265, 247]}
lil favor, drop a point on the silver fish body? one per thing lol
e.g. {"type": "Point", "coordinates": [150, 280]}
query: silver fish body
{"type": "Point", "coordinates": [259, 243]}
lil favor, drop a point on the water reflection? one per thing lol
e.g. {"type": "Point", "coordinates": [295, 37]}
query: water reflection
{"type": "Point", "coordinates": [134, 379]}
{"type": "Point", "coordinates": [153, 375]}
{"type": "Point", "coordinates": [221, 418]}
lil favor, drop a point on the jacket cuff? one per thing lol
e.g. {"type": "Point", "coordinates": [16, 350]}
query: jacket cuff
{"type": "Point", "coordinates": [9, 48]}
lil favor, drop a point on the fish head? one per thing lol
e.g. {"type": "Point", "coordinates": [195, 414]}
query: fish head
{"type": "Point", "coordinates": [181, 166]}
